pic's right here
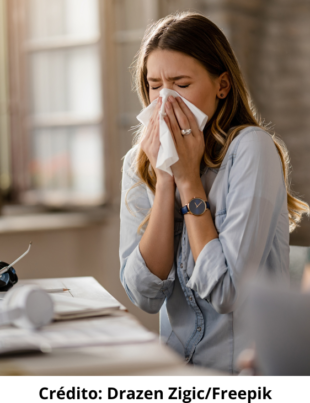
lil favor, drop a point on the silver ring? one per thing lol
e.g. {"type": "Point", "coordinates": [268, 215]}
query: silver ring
{"type": "Point", "coordinates": [186, 132]}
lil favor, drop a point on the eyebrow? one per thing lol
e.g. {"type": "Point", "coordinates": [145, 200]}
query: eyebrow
{"type": "Point", "coordinates": [156, 80]}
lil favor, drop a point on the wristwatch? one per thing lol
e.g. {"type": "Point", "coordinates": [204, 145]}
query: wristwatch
{"type": "Point", "coordinates": [196, 206]}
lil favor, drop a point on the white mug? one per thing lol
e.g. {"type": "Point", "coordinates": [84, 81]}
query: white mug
{"type": "Point", "coordinates": [27, 306]}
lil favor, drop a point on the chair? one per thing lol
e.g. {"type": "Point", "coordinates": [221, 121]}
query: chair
{"type": "Point", "coordinates": [299, 256]}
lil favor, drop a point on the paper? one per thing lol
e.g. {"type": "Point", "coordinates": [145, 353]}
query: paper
{"type": "Point", "coordinates": [167, 154]}
{"type": "Point", "coordinates": [79, 333]}
{"type": "Point", "coordinates": [74, 308]}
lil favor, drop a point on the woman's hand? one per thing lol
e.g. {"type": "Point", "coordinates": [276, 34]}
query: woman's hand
{"type": "Point", "coordinates": [150, 145]}
{"type": "Point", "coordinates": [186, 171]}
{"type": "Point", "coordinates": [190, 148]}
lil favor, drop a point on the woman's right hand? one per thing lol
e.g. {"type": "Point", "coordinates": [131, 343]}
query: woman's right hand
{"type": "Point", "coordinates": [150, 145]}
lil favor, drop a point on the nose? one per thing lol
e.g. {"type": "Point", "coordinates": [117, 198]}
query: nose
{"type": "Point", "coordinates": [168, 85]}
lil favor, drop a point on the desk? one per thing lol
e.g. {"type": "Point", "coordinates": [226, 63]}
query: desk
{"type": "Point", "coordinates": [147, 358]}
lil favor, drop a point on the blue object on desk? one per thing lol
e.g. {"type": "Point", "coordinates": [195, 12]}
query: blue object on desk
{"type": "Point", "coordinates": [8, 279]}
{"type": "Point", "coordinates": [8, 276]}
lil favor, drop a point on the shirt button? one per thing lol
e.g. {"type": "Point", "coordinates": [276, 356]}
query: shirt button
{"type": "Point", "coordinates": [190, 298]}
{"type": "Point", "coordinates": [198, 329]}
{"type": "Point", "coordinates": [181, 265]}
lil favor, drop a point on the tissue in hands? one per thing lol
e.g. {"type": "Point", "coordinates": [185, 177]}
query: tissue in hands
{"type": "Point", "coordinates": [167, 154]}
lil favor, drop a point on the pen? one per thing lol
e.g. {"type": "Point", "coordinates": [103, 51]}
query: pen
{"type": "Point", "coordinates": [5, 269]}
{"type": "Point", "coordinates": [54, 290]}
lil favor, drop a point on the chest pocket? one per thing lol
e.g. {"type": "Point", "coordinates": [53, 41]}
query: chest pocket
{"type": "Point", "coordinates": [219, 219]}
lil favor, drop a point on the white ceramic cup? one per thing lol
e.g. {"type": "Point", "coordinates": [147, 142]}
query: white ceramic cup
{"type": "Point", "coordinates": [27, 306]}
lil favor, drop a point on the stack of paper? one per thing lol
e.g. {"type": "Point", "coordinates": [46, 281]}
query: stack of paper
{"type": "Point", "coordinates": [75, 308]}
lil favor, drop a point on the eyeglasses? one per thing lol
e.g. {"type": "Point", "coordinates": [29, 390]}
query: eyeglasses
{"type": "Point", "coordinates": [8, 276]}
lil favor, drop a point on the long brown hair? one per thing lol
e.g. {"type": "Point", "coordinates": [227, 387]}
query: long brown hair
{"type": "Point", "coordinates": [196, 36]}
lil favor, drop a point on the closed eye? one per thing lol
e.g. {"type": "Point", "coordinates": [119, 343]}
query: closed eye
{"type": "Point", "coordinates": [180, 86]}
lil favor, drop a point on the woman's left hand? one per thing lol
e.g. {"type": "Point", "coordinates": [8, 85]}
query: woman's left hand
{"type": "Point", "coordinates": [190, 148]}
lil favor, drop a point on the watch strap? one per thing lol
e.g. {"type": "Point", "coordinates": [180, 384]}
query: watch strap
{"type": "Point", "coordinates": [184, 209]}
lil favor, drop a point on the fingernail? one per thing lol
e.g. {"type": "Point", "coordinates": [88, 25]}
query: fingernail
{"type": "Point", "coordinates": [168, 106]}
{"type": "Point", "coordinates": [171, 98]}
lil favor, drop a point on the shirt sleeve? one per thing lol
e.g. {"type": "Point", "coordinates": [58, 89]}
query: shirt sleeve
{"type": "Point", "coordinates": [255, 198]}
{"type": "Point", "coordinates": [144, 289]}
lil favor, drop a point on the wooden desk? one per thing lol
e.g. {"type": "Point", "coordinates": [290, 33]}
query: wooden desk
{"type": "Point", "coordinates": [148, 358]}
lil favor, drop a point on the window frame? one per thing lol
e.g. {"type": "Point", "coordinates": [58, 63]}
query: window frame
{"type": "Point", "coordinates": [5, 176]}
{"type": "Point", "coordinates": [20, 117]}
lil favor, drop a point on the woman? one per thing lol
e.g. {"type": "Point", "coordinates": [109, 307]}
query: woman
{"type": "Point", "coordinates": [191, 267]}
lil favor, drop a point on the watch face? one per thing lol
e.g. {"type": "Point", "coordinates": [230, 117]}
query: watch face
{"type": "Point", "coordinates": [197, 206]}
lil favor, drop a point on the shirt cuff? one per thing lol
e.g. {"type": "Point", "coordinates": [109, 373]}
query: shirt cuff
{"type": "Point", "coordinates": [138, 277]}
{"type": "Point", "coordinates": [209, 268]}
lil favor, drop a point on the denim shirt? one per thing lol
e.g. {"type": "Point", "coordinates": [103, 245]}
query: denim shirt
{"type": "Point", "coordinates": [200, 310]}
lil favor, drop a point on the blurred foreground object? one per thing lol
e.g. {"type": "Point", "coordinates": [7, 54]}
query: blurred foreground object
{"type": "Point", "coordinates": [305, 282]}
{"type": "Point", "coordinates": [299, 257]}
{"type": "Point", "coordinates": [280, 326]}
{"type": "Point", "coordinates": [247, 362]}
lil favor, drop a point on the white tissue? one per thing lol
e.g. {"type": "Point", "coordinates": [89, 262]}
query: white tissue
{"type": "Point", "coordinates": [167, 154]}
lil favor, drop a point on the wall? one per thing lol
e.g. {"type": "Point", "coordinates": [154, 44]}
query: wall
{"type": "Point", "coordinates": [271, 41]}
{"type": "Point", "coordinates": [280, 85]}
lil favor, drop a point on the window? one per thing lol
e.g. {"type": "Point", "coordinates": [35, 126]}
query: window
{"type": "Point", "coordinates": [57, 102]}
{"type": "Point", "coordinates": [4, 118]}
{"type": "Point", "coordinates": [70, 96]}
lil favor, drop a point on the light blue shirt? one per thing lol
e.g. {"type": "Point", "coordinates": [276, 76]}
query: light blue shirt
{"type": "Point", "coordinates": [200, 310]}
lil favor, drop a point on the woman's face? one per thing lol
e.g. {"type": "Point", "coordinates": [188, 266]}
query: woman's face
{"type": "Point", "coordinates": [186, 75]}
